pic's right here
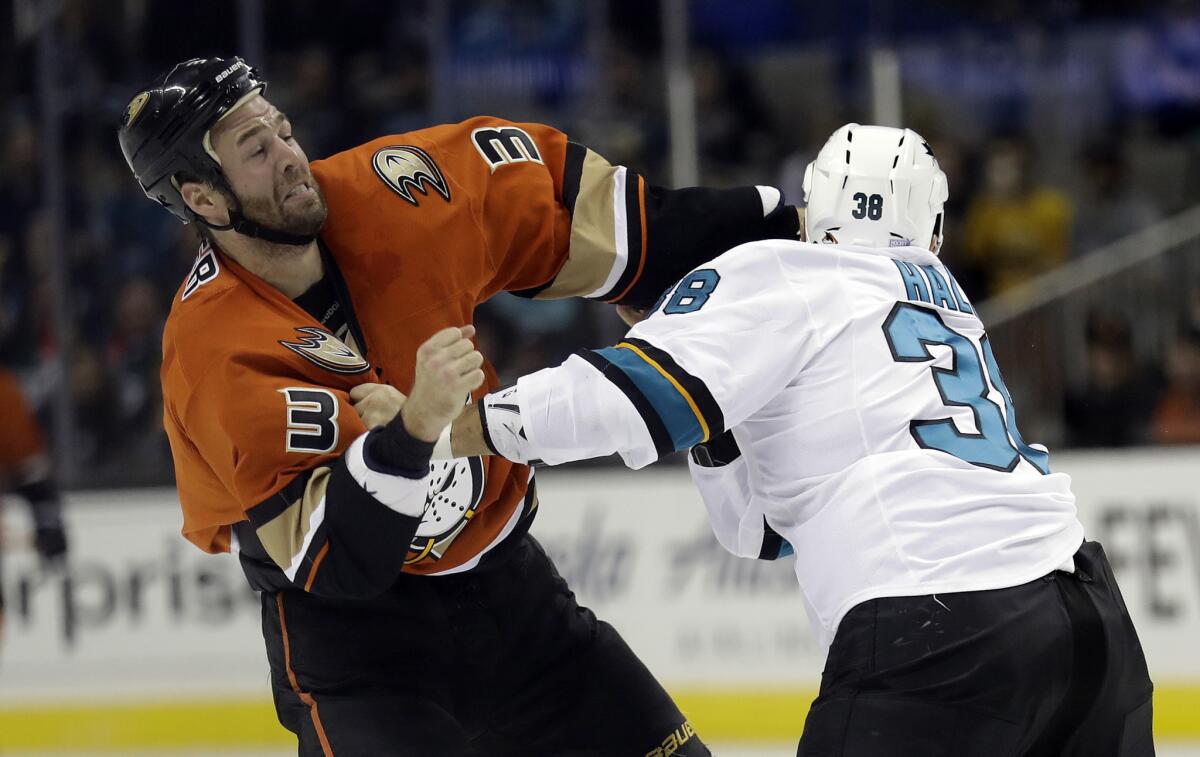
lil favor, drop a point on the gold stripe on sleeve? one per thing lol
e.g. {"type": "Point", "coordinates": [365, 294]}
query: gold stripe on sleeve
{"type": "Point", "coordinates": [593, 244]}
{"type": "Point", "coordinates": [283, 536]}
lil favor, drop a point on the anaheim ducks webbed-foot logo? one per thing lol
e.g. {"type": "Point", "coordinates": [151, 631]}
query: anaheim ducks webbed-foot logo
{"type": "Point", "coordinates": [405, 168]}
{"type": "Point", "coordinates": [134, 108]}
{"type": "Point", "coordinates": [326, 350]}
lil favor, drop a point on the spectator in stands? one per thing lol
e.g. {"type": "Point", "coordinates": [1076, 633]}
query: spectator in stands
{"type": "Point", "coordinates": [1113, 405]}
{"type": "Point", "coordinates": [629, 126]}
{"type": "Point", "coordinates": [733, 125]}
{"type": "Point", "coordinates": [310, 99]}
{"type": "Point", "coordinates": [98, 434]}
{"type": "Point", "coordinates": [1015, 228]}
{"type": "Point", "coordinates": [1109, 207]}
{"type": "Point", "coordinates": [1177, 417]}
{"type": "Point", "coordinates": [135, 353]}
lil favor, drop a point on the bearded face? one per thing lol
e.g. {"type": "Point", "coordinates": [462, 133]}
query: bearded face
{"type": "Point", "coordinates": [295, 204]}
{"type": "Point", "coordinates": [267, 170]}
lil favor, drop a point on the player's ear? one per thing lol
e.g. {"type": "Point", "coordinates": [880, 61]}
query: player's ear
{"type": "Point", "coordinates": [205, 200]}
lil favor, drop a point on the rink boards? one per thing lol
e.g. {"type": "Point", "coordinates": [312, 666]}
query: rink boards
{"type": "Point", "coordinates": [147, 642]}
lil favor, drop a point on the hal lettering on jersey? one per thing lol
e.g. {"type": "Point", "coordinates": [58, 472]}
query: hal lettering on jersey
{"type": "Point", "coordinates": [925, 283]}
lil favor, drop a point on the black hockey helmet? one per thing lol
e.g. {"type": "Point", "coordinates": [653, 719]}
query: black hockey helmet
{"type": "Point", "coordinates": [163, 128]}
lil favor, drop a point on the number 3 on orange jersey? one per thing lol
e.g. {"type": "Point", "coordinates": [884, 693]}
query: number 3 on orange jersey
{"type": "Point", "coordinates": [311, 419]}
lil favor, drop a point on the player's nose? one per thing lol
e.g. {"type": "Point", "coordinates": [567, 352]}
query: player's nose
{"type": "Point", "coordinates": [292, 158]}
{"type": "Point", "coordinates": [291, 170]}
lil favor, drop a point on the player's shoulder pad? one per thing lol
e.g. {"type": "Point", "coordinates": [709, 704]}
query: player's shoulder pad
{"type": "Point", "coordinates": [761, 264]}
{"type": "Point", "coordinates": [437, 160]}
{"type": "Point", "coordinates": [741, 281]}
{"type": "Point", "coordinates": [204, 281]}
{"type": "Point", "coordinates": [207, 324]}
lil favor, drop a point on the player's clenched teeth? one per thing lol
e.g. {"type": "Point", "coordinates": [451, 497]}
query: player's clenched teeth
{"type": "Point", "coordinates": [301, 189]}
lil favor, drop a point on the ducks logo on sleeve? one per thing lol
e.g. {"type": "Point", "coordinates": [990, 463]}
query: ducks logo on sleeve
{"type": "Point", "coordinates": [405, 168]}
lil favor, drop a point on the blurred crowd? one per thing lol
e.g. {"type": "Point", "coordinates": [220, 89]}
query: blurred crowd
{"type": "Point", "coordinates": [1061, 131]}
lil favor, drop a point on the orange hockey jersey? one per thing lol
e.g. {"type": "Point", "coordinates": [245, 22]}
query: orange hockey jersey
{"type": "Point", "coordinates": [20, 437]}
{"type": "Point", "coordinates": [422, 228]}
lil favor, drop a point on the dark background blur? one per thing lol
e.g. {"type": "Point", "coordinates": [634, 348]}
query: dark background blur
{"type": "Point", "coordinates": [1064, 128]}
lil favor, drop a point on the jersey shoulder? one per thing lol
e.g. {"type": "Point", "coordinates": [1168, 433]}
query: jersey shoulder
{"type": "Point", "coordinates": [202, 311]}
{"type": "Point", "coordinates": [218, 322]}
{"type": "Point", "coordinates": [442, 159]}
{"type": "Point", "coordinates": [766, 265]}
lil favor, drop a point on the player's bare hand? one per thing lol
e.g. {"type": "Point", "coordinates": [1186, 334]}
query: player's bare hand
{"type": "Point", "coordinates": [448, 369]}
{"type": "Point", "coordinates": [377, 404]}
{"type": "Point", "coordinates": [631, 316]}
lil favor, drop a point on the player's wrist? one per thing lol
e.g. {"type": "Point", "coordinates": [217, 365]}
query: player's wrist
{"type": "Point", "coordinates": [420, 423]}
{"type": "Point", "coordinates": [502, 428]}
{"type": "Point", "coordinates": [392, 450]}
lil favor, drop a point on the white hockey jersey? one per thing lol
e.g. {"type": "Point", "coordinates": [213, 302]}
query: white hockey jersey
{"type": "Point", "coordinates": [875, 431]}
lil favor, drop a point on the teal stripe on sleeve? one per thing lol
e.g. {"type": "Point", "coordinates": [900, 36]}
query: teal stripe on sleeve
{"type": "Point", "coordinates": [671, 407]}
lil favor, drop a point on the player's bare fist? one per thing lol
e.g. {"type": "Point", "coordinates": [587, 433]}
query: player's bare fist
{"type": "Point", "coordinates": [448, 369]}
{"type": "Point", "coordinates": [377, 404]}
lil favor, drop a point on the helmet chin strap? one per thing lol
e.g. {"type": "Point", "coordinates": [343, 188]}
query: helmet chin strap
{"type": "Point", "coordinates": [243, 225]}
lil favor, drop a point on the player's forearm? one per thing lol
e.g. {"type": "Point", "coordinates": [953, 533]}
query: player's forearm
{"type": "Point", "coordinates": [345, 530]}
{"type": "Point", "coordinates": [554, 416]}
{"type": "Point", "coordinates": [375, 510]}
{"type": "Point", "coordinates": [688, 227]}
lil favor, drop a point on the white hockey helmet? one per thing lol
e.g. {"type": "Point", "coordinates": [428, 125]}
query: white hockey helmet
{"type": "Point", "coordinates": [875, 186]}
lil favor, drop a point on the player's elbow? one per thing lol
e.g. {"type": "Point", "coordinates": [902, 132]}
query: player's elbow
{"type": "Point", "coordinates": [357, 576]}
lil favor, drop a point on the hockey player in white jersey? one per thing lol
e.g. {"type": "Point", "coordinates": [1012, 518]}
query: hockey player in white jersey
{"type": "Point", "coordinates": [840, 399]}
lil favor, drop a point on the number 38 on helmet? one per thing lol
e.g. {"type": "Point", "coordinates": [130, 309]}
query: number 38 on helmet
{"type": "Point", "coordinates": [875, 186]}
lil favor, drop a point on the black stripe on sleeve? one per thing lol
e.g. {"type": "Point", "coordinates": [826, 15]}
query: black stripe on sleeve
{"type": "Point", "coordinates": [319, 540]}
{"type": "Point", "coordinates": [271, 508]}
{"type": "Point", "coordinates": [772, 543]}
{"type": "Point", "coordinates": [532, 292]}
{"type": "Point", "coordinates": [483, 424]}
{"type": "Point", "coordinates": [663, 444]}
{"type": "Point", "coordinates": [695, 387]}
{"type": "Point", "coordinates": [261, 571]}
{"type": "Point", "coordinates": [368, 540]}
{"type": "Point", "coordinates": [717, 452]}
{"type": "Point", "coordinates": [633, 234]}
{"type": "Point", "coordinates": [572, 174]}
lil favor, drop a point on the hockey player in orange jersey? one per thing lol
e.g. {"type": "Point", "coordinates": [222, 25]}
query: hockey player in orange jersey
{"type": "Point", "coordinates": [25, 471]}
{"type": "Point", "coordinates": [406, 608]}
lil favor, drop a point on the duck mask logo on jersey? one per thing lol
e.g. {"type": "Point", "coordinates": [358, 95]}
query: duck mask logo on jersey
{"type": "Point", "coordinates": [455, 491]}
{"type": "Point", "coordinates": [326, 350]}
{"type": "Point", "coordinates": [405, 168]}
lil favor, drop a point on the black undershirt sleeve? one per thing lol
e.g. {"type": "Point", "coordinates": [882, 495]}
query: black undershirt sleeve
{"type": "Point", "coordinates": [688, 227]}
